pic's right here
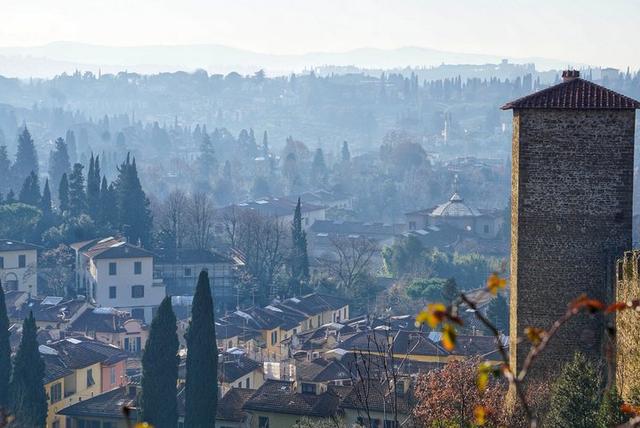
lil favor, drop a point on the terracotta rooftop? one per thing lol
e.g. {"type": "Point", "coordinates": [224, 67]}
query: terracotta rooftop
{"type": "Point", "coordinates": [574, 93]}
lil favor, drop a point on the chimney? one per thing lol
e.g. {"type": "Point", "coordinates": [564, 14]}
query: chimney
{"type": "Point", "coordinates": [569, 75]}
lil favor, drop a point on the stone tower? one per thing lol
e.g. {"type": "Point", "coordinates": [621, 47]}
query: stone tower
{"type": "Point", "coordinates": [572, 187]}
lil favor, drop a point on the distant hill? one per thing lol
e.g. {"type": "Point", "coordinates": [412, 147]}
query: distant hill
{"type": "Point", "coordinates": [57, 57]}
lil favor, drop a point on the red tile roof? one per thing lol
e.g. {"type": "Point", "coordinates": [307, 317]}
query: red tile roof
{"type": "Point", "coordinates": [574, 94]}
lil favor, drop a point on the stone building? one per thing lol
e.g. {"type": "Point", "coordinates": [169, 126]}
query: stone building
{"type": "Point", "coordinates": [572, 186]}
{"type": "Point", "coordinates": [628, 325]}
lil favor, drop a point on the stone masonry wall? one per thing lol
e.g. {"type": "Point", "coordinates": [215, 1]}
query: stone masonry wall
{"type": "Point", "coordinates": [572, 176]}
{"type": "Point", "coordinates": [628, 325]}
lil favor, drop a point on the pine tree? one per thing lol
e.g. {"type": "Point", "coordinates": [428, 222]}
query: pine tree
{"type": "Point", "coordinates": [575, 395]}
{"type": "Point", "coordinates": [133, 206]}
{"type": "Point", "coordinates": [5, 353]}
{"type": "Point", "coordinates": [610, 413]}
{"type": "Point", "coordinates": [93, 187]}
{"type": "Point", "coordinates": [498, 313]}
{"type": "Point", "coordinates": [201, 392]}
{"type": "Point", "coordinates": [160, 369]}
{"type": "Point", "coordinates": [30, 191]}
{"type": "Point", "coordinates": [5, 169]}
{"type": "Point", "coordinates": [77, 197]}
{"type": "Point", "coordinates": [63, 194]}
{"type": "Point", "coordinates": [346, 154]}
{"type": "Point", "coordinates": [299, 257]}
{"type": "Point", "coordinates": [26, 158]}
{"type": "Point", "coordinates": [59, 161]}
{"type": "Point", "coordinates": [28, 398]}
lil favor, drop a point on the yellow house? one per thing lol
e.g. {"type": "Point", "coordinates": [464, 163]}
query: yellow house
{"type": "Point", "coordinates": [238, 371]}
{"type": "Point", "coordinates": [76, 370]}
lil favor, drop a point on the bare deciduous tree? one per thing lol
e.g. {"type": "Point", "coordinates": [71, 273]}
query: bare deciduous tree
{"type": "Point", "coordinates": [351, 259]}
{"type": "Point", "coordinates": [172, 217]}
{"type": "Point", "coordinates": [200, 220]}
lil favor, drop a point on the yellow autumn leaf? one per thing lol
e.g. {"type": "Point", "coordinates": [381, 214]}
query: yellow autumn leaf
{"type": "Point", "coordinates": [534, 334]}
{"type": "Point", "coordinates": [143, 425]}
{"type": "Point", "coordinates": [432, 315]}
{"type": "Point", "coordinates": [495, 283]}
{"type": "Point", "coordinates": [480, 415]}
{"type": "Point", "coordinates": [448, 337]}
{"type": "Point", "coordinates": [482, 379]}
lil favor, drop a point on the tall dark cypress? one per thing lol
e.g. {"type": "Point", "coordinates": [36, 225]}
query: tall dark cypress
{"type": "Point", "coordinates": [5, 169]}
{"type": "Point", "coordinates": [63, 194]}
{"type": "Point", "coordinates": [26, 158]}
{"type": "Point", "coordinates": [77, 196]}
{"type": "Point", "coordinates": [299, 257]}
{"type": "Point", "coordinates": [59, 161]}
{"type": "Point", "coordinates": [5, 353]}
{"type": "Point", "coordinates": [28, 399]}
{"type": "Point", "coordinates": [30, 191]}
{"type": "Point", "coordinates": [202, 360]}
{"type": "Point", "coordinates": [133, 206]}
{"type": "Point", "coordinates": [160, 369]}
{"type": "Point", "coordinates": [93, 186]}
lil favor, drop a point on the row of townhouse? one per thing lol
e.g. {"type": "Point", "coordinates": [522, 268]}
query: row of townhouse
{"type": "Point", "coordinates": [19, 266]}
{"type": "Point", "coordinates": [262, 332]}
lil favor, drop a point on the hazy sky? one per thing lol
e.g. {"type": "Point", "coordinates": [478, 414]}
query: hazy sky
{"type": "Point", "coordinates": [591, 31]}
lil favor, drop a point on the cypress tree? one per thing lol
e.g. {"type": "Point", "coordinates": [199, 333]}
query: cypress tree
{"type": "Point", "coordinates": [5, 353]}
{"type": "Point", "coordinates": [299, 258]}
{"type": "Point", "coordinates": [63, 194]}
{"type": "Point", "coordinates": [201, 393]}
{"type": "Point", "coordinates": [5, 169]}
{"type": "Point", "coordinates": [28, 397]}
{"type": "Point", "coordinates": [30, 191]}
{"type": "Point", "coordinates": [59, 161]}
{"type": "Point", "coordinates": [77, 197]}
{"type": "Point", "coordinates": [265, 145]}
{"type": "Point", "coordinates": [45, 201]}
{"type": "Point", "coordinates": [610, 413]}
{"type": "Point", "coordinates": [72, 150]}
{"type": "Point", "coordinates": [26, 157]}
{"type": "Point", "coordinates": [133, 206]}
{"type": "Point", "coordinates": [346, 154]}
{"type": "Point", "coordinates": [160, 369]}
{"type": "Point", "coordinates": [575, 395]}
{"type": "Point", "coordinates": [93, 186]}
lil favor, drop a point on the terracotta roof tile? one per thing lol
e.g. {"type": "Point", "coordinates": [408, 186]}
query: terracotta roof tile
{"type": "Point", "coordinates": [574, 94]}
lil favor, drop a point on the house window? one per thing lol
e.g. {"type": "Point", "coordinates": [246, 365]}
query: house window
{"type": "Point", "coordinates": [22, 261]}
{"type": "Point", "coordinates": [274, 337]}
{"type": "Point", "coordinates": [187, 272]}
{"type": "Point", "coordinates": [55, 392]}
{"type": "Point", "coordinates": [137, 313]}
{"type": "Point", "coordinates": [390, 424]}
{"type": "Point", "coordinates": [263, 422]}
{"type": "Point", "coordinates": [308, 388]}
{"type": "Point", "coordinates": [344, 311]}
{"type": "Point", "coordinates": [137, 268]}
{"type": "Point", "coordinates": [230, 344]}
{"type": "Point", "coordinates": [112, 292]}
{"type": "Point", "coordinates": [486, 228]}
{"type": "Point", "coordinates": [240, 384]}
{"type": "Point", "coordinates": [247, 383]}
{"type": "Point", "coordinates": [112, 375]}
{"type": "Point", "coordinates": [138, 343]}
{"type": "Point", "coordinates": [412, 225]}
{"type": "Point", "coordinates": [137, 291]}
{"type": "Point", "coordinates": [1, 262]}
{"type": "Point", "coordinates": [113, 268]}
{"type": "Point", "coordinates": [90, 381]}
{"type": "Point", "coordinates": [55, 424]}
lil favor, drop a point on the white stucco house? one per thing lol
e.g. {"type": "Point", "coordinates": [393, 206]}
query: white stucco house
{"type": "Point", "coordinates": [114, 273]}
{"type": "Point", "coordinates": [19, 266]}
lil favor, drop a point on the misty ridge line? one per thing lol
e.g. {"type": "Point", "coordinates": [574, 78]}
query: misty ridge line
{"type": "Point", "coordinates": [57, 57]}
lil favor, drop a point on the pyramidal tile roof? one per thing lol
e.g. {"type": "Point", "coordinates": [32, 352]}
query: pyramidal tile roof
{"type": "Point", "coordinates": [574, 93]}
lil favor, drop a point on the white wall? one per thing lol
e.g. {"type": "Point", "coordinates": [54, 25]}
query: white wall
{"type": "Point", "coordinates": [27, 277]}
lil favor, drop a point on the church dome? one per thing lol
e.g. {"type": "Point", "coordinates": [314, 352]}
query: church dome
{"type": "Point", "coordinates": [455, 207]}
